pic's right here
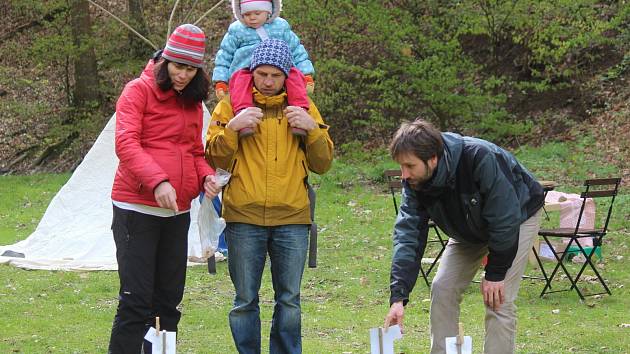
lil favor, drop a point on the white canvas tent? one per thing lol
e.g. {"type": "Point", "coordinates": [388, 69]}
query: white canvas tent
{"type": "Point", "coordinates": [74, 233]}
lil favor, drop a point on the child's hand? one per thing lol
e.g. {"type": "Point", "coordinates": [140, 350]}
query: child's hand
{"type": "Point", "coordinates": [220, 89]}
{"type": "Point", "coordinates": [310, 84]}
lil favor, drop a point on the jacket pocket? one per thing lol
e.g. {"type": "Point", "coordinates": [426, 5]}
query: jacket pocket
{"type": "Point", "coordinates": [232, 171]}
{"type": "Point", "coordinates": [233, 167]}
{"type": "Point", "coordinates": [131, 183]}
{"type": "Point", "coordinates": [143, 189]}
{"type": "Point", "coordinates": [472, 208]}
{"type": "Point", "coordinates": [235, 192]}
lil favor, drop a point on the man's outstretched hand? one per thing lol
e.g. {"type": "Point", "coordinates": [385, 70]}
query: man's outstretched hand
{"type": "Point", "coordinates": [395, 316]}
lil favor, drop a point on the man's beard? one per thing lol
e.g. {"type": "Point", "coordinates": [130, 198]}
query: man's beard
{"type": "Point", "coordinates": [417, 182]}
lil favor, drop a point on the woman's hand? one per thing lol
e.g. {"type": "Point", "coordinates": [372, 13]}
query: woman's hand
{"type": "Point", "coordinates": [211, 187]}
{"type": "Point", "coordinates": [166, 196]}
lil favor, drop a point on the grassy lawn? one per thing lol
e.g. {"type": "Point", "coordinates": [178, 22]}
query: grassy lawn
{"type": "Point", "coordinates": [23, 200]}
{"type": "Point", "coordinates": [71, 312]}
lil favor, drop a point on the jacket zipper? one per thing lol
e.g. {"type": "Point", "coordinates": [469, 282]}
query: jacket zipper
{"type": "Point", "coordinates": [179, 151]}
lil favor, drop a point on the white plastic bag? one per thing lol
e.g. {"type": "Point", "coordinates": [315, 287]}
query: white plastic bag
{"type": "Point", "coordinates": [210, 224]}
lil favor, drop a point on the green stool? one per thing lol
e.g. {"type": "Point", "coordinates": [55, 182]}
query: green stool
{"type": "Point", "coordinates": [575, 250]}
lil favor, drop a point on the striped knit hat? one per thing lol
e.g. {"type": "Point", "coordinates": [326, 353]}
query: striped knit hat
{"type": "Point", "coordinates": [274, 52]}
{"type": "Point", "coordinates": [186, 45]}
{"type": "Point", "coordinates": [256, 5]}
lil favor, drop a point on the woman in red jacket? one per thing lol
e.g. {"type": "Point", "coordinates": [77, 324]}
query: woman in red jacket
{"type": "Point", "coordinates": [159, 122]}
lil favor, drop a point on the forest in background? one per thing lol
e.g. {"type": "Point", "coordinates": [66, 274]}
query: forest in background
{"type": "Point", "coordinates": [512, 71]}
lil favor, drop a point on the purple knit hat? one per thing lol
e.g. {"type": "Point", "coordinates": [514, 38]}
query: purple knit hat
{"type": "Point", "coordinates": [274, 52]}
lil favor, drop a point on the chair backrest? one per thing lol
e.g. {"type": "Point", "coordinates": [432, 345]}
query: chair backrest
{"type": "Point", "coordinates": [599, 188]}
{"type": "Point", "coordinates": [394, 184]}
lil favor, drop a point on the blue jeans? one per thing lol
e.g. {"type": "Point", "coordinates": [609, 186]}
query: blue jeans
{"type": "Point", "coordinates": [248, 246]}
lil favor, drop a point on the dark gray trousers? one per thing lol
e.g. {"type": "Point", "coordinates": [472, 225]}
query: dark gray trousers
{"type": "Point", "coordinates": [152, 253]}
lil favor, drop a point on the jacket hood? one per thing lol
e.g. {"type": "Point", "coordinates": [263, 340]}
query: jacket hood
{"type": "Point", "coordinates": [276, 5]}
{"type": "Point", "coordinates": [149, 79]}
{"type": "Point", "coordinates": [444, 175]}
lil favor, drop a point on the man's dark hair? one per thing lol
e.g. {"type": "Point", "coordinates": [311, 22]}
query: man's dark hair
{"type": "Point", "coordinates": [197, 89]}
{"type": "Point", "coordinates": [419, 138]}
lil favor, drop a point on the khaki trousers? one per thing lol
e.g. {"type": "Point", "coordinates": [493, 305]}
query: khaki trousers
{"type": "Point", "coordinates": [458, 266]}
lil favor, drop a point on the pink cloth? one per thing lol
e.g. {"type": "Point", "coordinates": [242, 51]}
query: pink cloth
{"type": "Point", "coordinates": [570, 205]}
{"type": "Point", "coordinates": [242, 82]}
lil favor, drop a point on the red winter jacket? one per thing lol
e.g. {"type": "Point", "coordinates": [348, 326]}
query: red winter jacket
{"type": "Point", "coordinates": [157, 139]}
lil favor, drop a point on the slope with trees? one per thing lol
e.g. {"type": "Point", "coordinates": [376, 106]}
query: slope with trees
{"type": "Point", "coordinates": [513, 71]}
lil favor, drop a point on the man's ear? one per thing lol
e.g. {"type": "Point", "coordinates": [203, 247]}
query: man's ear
{"type": "Point", "coordinates": [433, 162]}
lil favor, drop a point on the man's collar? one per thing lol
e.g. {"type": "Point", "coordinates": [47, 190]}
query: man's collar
{"type": "Point", "coordinates": [269, 100]}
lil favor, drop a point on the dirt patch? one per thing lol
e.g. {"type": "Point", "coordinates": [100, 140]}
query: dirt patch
{"type": "Point", "coordinates": [569, 97]}
{"type": "Point", "coordinates": [611, 127]}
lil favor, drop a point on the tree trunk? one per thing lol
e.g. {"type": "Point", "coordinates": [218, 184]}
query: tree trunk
{"type": "Point", "coordinates": [86, 83]}
{"type": "Point", "coordinates": [139, 49]}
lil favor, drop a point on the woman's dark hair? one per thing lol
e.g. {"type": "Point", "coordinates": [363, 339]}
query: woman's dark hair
{"type": "Point", "coordinates": [197, 89]}
{"type": "Point", "coordinates": [419, 138]}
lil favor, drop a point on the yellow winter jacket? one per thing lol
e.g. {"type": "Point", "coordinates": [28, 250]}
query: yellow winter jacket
{"type": "Point", "coordinates": [268, 168]}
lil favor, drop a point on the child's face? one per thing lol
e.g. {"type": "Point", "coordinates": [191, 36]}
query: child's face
{"type": "Point", "coordinates": [255, 19]}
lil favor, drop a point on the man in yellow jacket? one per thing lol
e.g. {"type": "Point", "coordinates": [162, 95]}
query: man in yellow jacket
{"type": "Point", "coordinates": [266, 204]}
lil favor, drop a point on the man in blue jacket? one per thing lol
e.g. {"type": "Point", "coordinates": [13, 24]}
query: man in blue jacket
{"type": "Point", "coordinates": [488, 204]}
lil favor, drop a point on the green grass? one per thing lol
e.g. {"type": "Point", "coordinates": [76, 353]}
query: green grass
{"type": "Point", "coordinates": [71, 312]}
{"type": "Point", "coordinates": [23, 200]}
{"type": "Point", "coordinates": [569, 164]}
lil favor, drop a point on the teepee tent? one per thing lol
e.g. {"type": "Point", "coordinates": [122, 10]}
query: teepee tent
{"type": "Point", "coordinates": [74, 233]}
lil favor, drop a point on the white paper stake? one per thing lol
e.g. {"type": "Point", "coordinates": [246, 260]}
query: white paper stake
{"type": "Point", "coordinates": [382, 342]}
{"type": "Point", "coordinates": [162, 342]}
{"type": "Point", "coordinates": [459, 344]}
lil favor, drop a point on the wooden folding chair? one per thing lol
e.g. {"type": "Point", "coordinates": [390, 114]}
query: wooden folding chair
{"type": "Point", "coordinates": [605, 189]}
{"type": "Point", "coordinates": [395, 186]}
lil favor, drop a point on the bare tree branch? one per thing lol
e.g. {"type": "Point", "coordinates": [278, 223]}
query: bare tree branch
{"type": "Point", "coordinates": [125, 24]}
{"type": "Point", "coordinates": [207, 12]}
{"type": "Point", "coordinates": [170, 20]}
{"type": "Point", "coordinates": [190, 12]}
